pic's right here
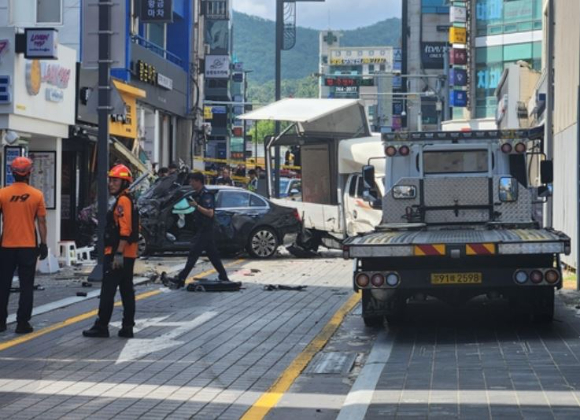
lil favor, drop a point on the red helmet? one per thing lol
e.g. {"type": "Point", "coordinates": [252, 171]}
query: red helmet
{"type": "Point", "coordinates": [121, 172]}
{"type": "Point", "coordinates": [21, 166]}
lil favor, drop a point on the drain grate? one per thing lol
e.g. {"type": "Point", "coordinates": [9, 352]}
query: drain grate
{"type": "Point", "coordinates": [332, 363]}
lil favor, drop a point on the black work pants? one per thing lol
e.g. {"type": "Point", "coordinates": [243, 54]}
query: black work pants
{"type": "Point", "coordinates": [23, 259]}
{"type": "Point", "coordinates": [203, 241]}
{"type": "Point", "coordinates": [122, 278]}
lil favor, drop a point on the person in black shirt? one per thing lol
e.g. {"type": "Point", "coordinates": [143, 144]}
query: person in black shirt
{"type": "Point", "coordinates": [225, 179]}
{"type": "Point", "coordinates": [204, 203]}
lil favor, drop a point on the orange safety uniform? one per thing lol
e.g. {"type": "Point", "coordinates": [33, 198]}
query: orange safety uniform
{"type": "Point", "coordinates": [122, 215]}
{"type": "Point", "coordinates": [20, 204]}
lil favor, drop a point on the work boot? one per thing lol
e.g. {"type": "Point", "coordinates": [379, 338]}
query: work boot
{"type": "Point", "coordinates": [23, 328]}
{"type": "Point", "coordinates": [126, 332]}
{"type": "Point", "coordinates": [97, 331]}
{"type": "Point", "coordinates": [176, 283]}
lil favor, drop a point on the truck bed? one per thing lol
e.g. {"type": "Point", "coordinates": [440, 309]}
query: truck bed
{"type": "Point", "coordinates": [498, 241]}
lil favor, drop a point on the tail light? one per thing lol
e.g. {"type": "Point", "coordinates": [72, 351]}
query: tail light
{"type": "Point", "coordinates": [391, 151]}
{"type": "Point", "coordinates": [404, 150]}
{"type": "Point", "coordinates": [536, 276]}
{"type": "Point", "coordinates": [362, 280]}
{"type": "Point", "coordinates": [393, 279]}
{"type": "Point", "coordinates": [552, 276]}
{"type": "Point", "coordinates": [506, 148]}
{"type": "Point", "coordinates": [521, 277]}
{"type": "Point", "coordinates": [296, 215]}
{"type": "Point", "coordinates": [520, 148]}
{"type": "Point", "coordinates": [378, 280]}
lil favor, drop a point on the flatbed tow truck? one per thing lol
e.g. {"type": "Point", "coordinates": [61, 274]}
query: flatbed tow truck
{"type": "Point", "coordinates": [458, 222]}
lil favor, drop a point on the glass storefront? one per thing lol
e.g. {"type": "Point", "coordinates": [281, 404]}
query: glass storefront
{"type": "Point", "coordinates": [497, 17]}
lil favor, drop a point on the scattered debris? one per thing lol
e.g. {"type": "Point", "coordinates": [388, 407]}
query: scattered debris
{"type": "Point", "coordinates": [270, 287]}
{"type": "Point", "coordinates": [82, 294]}
{"type": "Point", "coordinates": [87, 284]}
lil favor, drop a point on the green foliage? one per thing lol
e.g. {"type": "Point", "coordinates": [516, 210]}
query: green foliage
{"type": "Point", "coordinates": [263, 93]}
{"type": "Point", "coordinates": [254, 46]}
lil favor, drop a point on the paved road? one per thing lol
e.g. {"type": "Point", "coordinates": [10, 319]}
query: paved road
{"type": "Point", "coordinates": [196, 355]}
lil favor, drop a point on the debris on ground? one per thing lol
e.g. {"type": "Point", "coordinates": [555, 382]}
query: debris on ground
{"type": "Point", "coordinates": [271, 287]}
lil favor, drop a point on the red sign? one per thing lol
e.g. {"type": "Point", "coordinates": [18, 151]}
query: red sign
{"type": "Point", "coordinates": [458, 56]}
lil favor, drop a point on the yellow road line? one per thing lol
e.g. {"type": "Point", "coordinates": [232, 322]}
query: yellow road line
{"type": "Point", "coordinates": [270, 398]}
{"type": "Point", "coordinates": [70, 321]}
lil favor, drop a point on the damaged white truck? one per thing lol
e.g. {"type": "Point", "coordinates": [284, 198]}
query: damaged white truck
{"type": "Point", "coordinates": [458, 222]}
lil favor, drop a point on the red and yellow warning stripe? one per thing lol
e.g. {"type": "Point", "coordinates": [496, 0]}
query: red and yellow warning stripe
{"type": "Point", "coordinates": [429, 250]}
{"type": "Point", "coordinates": [480, 249]}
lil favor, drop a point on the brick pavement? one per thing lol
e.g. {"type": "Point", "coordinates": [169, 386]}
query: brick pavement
{"type": "Point", "coordinates": [478, 363]}
{"type": "Point", "coordinates": [220, 368]}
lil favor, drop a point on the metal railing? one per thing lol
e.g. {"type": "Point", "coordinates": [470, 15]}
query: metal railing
{"type": "Point", "coordinates": [169, 56]}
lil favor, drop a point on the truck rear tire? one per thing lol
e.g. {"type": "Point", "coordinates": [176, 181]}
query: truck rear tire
{"type": "Point", "coordinates": [543, 309]}
{"type": "Point", "coordinates": [373, 321]}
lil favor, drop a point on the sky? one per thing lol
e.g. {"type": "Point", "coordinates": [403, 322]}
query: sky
{"type": "Point", "coordinates": [330, 14]}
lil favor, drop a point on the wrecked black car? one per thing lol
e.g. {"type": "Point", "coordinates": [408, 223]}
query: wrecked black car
{"type": "Point", "coordinates": [243, 220]}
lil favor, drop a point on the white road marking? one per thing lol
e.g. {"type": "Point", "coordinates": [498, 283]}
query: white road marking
{"type": "Point", "coordinates": [137, 348]}
{"type": "Point", "coordinates": [359, 398]}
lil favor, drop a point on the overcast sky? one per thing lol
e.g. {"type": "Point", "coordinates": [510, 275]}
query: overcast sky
{"type": "Point", "coordinates": [331, 14]}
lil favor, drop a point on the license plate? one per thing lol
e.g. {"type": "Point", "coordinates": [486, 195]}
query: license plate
{"type": "Point", "coordinates": [456, 278]}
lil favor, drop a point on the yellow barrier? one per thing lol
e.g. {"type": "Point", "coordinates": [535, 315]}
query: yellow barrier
{"type": "Point", "coordinates": [248, 163]}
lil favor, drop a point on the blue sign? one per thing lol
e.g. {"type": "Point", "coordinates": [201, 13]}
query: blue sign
{"type": "Point", "coordinates": [219, 110]}
{"type": "Point", "coordinates": [458, 98]}
{"type": "Point", "coordinates": [489, 78]}
{"type": "Point", "coordinates": [458, 77]}
{"type": "Point", "coordinates": [10, 153]}
{"type": "Point", "coordinates": [5, 97]}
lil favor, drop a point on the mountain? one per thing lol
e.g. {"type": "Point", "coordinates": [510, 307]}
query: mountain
{"type": "Point", "coordinates": [254, 40]}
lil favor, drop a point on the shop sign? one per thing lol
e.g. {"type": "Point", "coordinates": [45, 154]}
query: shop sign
{"type": "Point", "coordinates": [54, 95]}
{"type": "Point", "coordinates": [156, 11]}
{"type": "Point", "coordinates": [5, 96]}
{"type": "Point", "coordinates": [4, 44]}
{"type": "Point", "coordinates": [346, 89]}
{"type": "Point", "coordinates": [501, 109]}
{"type": "Point", "coordinates": [458, 56]}
{"type": "Point", "coordinates": [219, 110]}
{"type": "Point", "coordinates": [457, 14]}
{"type": "Point", "coordinates": [458, 98]}
{"type": "Point", "coordinates": [55, 75]}
{"type": "Point", "coordinates": [457, 36]}
{"type": "Point", "coordinates": [146, 73]}
{"type": "Point", "coordinates": [432, 54]}
{"type": "Point", "coordinates": [397, 54]}
{"type": "Point", "coordinates": [207, 114]}
{"type": "Point", "coordinates": [10, 153]}
{"type": "Point", "coordinates": [164, 81]}
{"type": "Point", "coordinates": [356, 61]}
{"type": "Point", "coordinates": [126, 126]}
{"type": "Point", "coordinates": [41, 43]}
{"type": "Point", "coordinates": [217, 66]}
{"type": "Point", "coordinates": [458, 77]}
{"type": "Point", "coordinates": [348, 81]}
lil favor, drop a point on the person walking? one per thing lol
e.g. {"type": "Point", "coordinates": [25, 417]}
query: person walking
{"type": "Point", "coordinates": [22, 207]}
{"type": "Point", "coordinates": [121, 237]}
{"type": "Point", "coordinates": [204, 203]}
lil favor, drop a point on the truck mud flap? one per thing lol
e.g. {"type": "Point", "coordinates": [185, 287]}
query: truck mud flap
{"type": "Point", "coordinates": [205, 285]}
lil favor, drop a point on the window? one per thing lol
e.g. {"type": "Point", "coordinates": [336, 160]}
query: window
{"type": "Point", "coordinates": [156, 34]}
{"type": "Point", "coordinates": [217, 10]}
{"type": "Point", "coordinates": [256, 201]}
{"type": "Point", "coordinates": [352, 188]}
{"type": "Point", "coordinates": [460, 162]}
{"type": "Point", "coordinates": [233, 199]}
{"type": "Point", "coordinates": [49, 12]}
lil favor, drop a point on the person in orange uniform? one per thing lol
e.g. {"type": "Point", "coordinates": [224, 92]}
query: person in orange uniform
{"type": "Point", "coordinates": [22, 207]}
{"type": "Point", "coordinates": [121, 236]}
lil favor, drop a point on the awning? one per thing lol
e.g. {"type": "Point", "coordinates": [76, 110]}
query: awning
{"type": "Point", "coordinates": [131, 158]}
{"type": "Point", "coordinates": [356, 153]}
{"type": "Point", "coordinates": [326, 118]}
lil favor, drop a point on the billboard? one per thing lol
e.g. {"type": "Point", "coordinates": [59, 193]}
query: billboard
{"type": "Point", "coordinates": [217, 66]}
{"type": "Point", "coordinates": [432, 54]}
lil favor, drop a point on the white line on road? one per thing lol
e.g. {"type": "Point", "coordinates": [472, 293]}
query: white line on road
{"type": "Point", "coordinates": [359, 398]}
{"type": "Point", "coordinates": [137, 348]}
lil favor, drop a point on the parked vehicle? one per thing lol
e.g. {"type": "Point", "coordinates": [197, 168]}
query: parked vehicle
{"type": "Point", "coordinates": [243, 221]}
{"type": "Point", "coordinates": [335, 143]}
{"type": "Point", "coordinates": [291, 188]}
{"type": "Point", "coordinates": [458, 223]}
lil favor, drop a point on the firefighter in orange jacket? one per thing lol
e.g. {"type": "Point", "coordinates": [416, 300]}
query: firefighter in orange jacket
{"type": "Point", "coordinates": [121, 236]}
{"type": "Point", "coordinates": [22, 207]}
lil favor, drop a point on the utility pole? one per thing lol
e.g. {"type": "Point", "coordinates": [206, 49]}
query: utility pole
{"type": "Point", "coordinates": [104, 110]}
{"type": "Point", "coordinates": [279, 47]}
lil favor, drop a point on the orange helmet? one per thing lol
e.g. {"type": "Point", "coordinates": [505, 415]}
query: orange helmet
{"type": "Point", "coordinates": [21, 166]}
{"type": "Point", "coordinates": [121, 172]}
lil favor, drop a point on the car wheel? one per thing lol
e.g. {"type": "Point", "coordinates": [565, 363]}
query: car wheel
{"type": "Point", "coordinates": [263, 243]}
{"type": "Point", "coordinates": [143, 245]}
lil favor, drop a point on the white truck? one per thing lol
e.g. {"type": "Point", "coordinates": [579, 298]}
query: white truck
{"type": "Point", "coordinates": [458, 222]}
{"type": "Point", "coordinates": [335, 144]}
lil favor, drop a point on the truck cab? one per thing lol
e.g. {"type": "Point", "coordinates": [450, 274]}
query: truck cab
{"type": "Point", "coordinates": [459, 220]}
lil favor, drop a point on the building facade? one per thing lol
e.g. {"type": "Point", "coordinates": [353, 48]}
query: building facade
{"type": "Point", "coordinates": [366, 73]}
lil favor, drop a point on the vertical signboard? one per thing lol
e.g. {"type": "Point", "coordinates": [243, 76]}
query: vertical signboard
{"type": "Point", "coordinates": [10, 153]}
{"type": "Point", "coordinates": [156, 11]}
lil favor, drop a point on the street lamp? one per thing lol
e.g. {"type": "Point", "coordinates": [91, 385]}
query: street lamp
{"type": "Point", "coordinates": [280, 26]}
